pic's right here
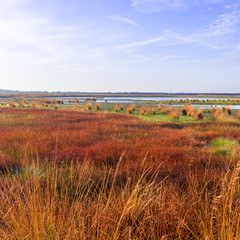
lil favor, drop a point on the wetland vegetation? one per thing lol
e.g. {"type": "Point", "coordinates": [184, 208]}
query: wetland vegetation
{"type": "Point", "coordinates": [101, 171]}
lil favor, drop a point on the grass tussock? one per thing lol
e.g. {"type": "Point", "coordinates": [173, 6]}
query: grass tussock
{"type": "Point", "coordinates": [199, 114]}
{"type": "Point", "coordinates": [87, 106]}
{"type": "Point", "coordinates": [131, 108]}
{"type": "Point", "coordinates": [174, 115]}
{"type": "Point", "coordinates": [97, 106]}
{"type": "Point", "coordinates": [238, 115]}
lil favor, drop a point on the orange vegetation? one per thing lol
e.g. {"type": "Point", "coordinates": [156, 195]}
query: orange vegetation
{"type": "Point", "coordinates": [90, 175]}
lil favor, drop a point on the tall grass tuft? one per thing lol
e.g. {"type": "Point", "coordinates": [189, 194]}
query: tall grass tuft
{"type": "Point", "coordinates": [131, 108]}
{"type": "Point", "coordinates": [12, 104]}
{"type": "Point", "coordinates": [228, 111]}
{"type": "Point", "coordinates": [217, 114]}
{"type": "Point", "coordinates": [153, 111]}
{"type": "Point", "coordinates": [173, 114]}
{"type": "Point", "coordinates": [238, 115]}
{"type": "Point", "coordinates": [87, 106]}
{"type": "Point", "coordinates": [159, 107]}
{"type": "Point", "coordinates": [74, 106]}
{"type": "Point", "coordinates": [97, 106]}
{"type": "Point", "coordinates": [199, 114]}
{"type": "Point", "coordinates": [143, 110]}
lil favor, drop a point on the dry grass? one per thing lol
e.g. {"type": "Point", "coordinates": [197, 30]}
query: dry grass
{"type": "Point", "coordinates": [87, 106]}
{"type": "Point", "coordinates": [90, 175]}
{"type": "Point", "coordinates": [238, 115]}
{"type": "Point", "coordinates": [130, 108]}
{"type": "Point", "coordinates": [199, 114]}
{"type": "Point", "coordinates": [228, 111]}
{"type": "Point", "coordinates": [97, 106]}
{"type": "Point", "coordinates": [174, 114]}
{"type": "Point", "coordinates": [218, 114]}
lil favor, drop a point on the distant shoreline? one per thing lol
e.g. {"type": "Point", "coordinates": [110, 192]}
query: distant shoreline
{"type": "Point", "coordinates": [17, 94]}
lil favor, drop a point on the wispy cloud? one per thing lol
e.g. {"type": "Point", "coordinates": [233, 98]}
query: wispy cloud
{"type": "Point", "coordinates": [169, 57]}
{"type": "Point", "coordinates": [142, 43]}
{"type": "Point", "coordinates": [226, 22]}
{"type": "Point", "coordinates": [123, 20]}
{"type": "Point", "coordinates": [158, 5]}
{"type": "Point", "coordinates": [223, 25]}
{"type": "Point", "coordinates": [161, 5]}
{"type": "Point", "coordinates": [40, 40]}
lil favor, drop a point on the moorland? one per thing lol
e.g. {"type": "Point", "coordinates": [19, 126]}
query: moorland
{"type": "Point", "coordinates": [89, 170]}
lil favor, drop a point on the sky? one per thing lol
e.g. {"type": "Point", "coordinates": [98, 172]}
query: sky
{"type": "Point", "coordinates": [120, 46]}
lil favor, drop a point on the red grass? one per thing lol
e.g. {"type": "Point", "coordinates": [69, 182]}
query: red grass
{"type": "Point", "coordinates": [167, 183]}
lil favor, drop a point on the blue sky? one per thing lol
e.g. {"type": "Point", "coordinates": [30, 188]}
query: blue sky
{"type": "Point", "coordinates": [127, 45]}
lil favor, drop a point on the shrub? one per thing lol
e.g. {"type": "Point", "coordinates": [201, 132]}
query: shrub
{"type": "Point", "coordinates": [129, 110]}
{"type": "Point", "coordinates": [228, 111]}
{"type": "Point", "coordinates": [199, 114]}
{"type": "Point", "coordinates": [87, 106]}
{"type": "Point", "coordinates": [173, 114]}
{"type": "Point", "coordinates": [184, 112]}
{"type": "Point", "coordinates": [21, 103]}
{"type": "Point", "coordinates": [217, 114]}
{"type": "Point", "coordinates": [142, 110]}
{"type": "Point", "coordinates": [97, 106]}
{"type": "Point", "coordinates": [238, 115]}
{"type": "Point", "coordinates": [32, 104]}
{"type": "Point", "coordinates": [167, 110]}
{"type": "Point", "coordinates": [153, 111]}
{"type": "Point", "coordinates": [12, 104]}
{"type": "Point", "coordinates": [74, 106]}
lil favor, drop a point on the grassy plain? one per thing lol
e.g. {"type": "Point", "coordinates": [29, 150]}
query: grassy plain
{"type": "Point", "coordinates": [70, 174]}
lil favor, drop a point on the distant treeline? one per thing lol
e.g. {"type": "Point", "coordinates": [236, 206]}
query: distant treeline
{"type": "Point", "coordinates": [37, 94]}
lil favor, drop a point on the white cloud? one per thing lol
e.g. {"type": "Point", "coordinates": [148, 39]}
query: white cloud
{"type": "Point", "coordinates": [142, 43]}
{"type": "Point", "coordinates": [123, 20]}
{"type": "Point", "coordinates": [225, 23]}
